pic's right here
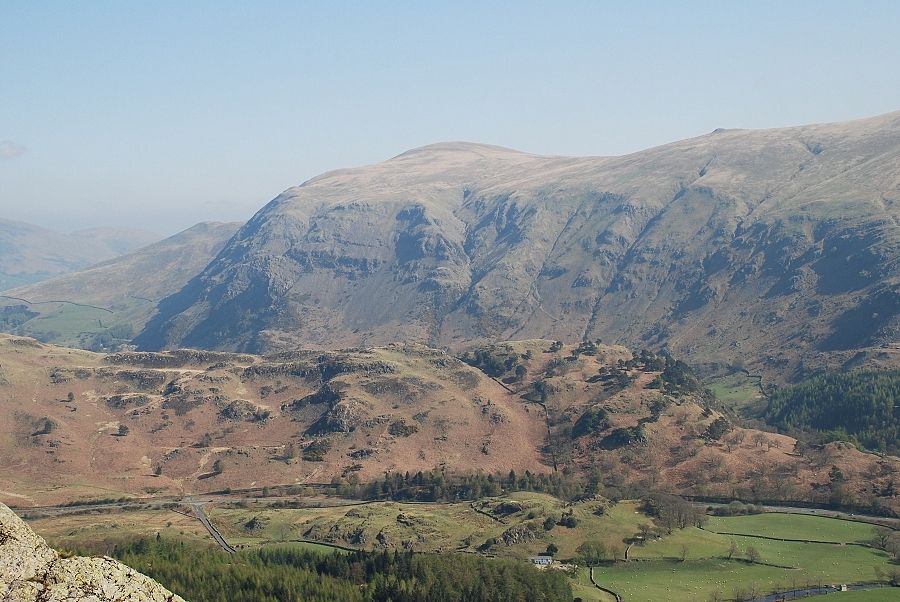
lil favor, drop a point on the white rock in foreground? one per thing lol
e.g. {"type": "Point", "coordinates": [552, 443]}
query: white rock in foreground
{"type": "Point", "coordinates": [31, 571]}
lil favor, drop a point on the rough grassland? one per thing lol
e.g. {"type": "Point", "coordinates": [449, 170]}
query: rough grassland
{"type": "Point", "coordinates": [435, 527]}
{"type": "Point", "coordinates": [95, 530]}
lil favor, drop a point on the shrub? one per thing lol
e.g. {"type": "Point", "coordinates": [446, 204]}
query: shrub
{"type": "Point", "coordinates": [401, 429]}
{"type": "Point", "coordinates": [569, 521]}
{"type": "Point", "coordinates": [317, 450]}
{"type": "Point", "coordinates": [45, 426]}
{"type": "Point", "coordinates": [717, 429]}
{"type": "Point", "coordinates": [592, 421]}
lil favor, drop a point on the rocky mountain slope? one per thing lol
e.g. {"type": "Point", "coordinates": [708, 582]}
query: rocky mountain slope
{"type": "Point", "coordinates": [30, 253]}
{"type": "Point", "coordinates": [76, 425]}
{"type": "Point", "coordinates": [30, 571]}
{"type": "Point", "coordinates": [777, 249]}
{"type": "Point", "coordinates": [111, 301]}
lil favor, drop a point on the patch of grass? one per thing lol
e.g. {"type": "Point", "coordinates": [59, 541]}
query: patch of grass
{"type": "Point", "coordinates": [584, 589]}
{"type": "Point", "coordinates": [77, 325]}
{"type": "Point", "coordinates": [825, 561]}
{"type": "Point", "coordinates": [676, 581]}
{"type": "Point", "coordinates": [739, 391]}
{"type": "Point", "coordinates": [66, 321]}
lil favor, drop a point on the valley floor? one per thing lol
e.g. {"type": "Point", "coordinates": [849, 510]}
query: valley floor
{"type": "Point", "coordinates": [729, 557]}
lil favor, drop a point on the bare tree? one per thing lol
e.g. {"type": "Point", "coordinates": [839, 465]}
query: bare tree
{"type": "Point", "coordinates": [753, 554]}
{"type": "Point", "coordinates": [882, 537]}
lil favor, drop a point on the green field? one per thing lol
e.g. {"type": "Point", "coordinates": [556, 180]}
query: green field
{"type": "Point", "coordinates": [794, 526]}
{"type": "Point", "coordinates": [737, 390]}
{"type": "Point", "coordinates": [63, 322]}
{"type": "Point", "coordinates": [658, 573]}
{"type": "Point", "coordinates": [75, 325]}
{"type": "Point", "coordinates": [583, 588]}
{"type": "Point", "coordinates": [676, 581]}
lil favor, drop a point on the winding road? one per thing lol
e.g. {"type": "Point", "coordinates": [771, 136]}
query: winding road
{"type": "Point", "coordinates": [201, 516]}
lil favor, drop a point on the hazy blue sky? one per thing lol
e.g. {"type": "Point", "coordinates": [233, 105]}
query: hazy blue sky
{"type": "Point", "coordinates": [161, 114]}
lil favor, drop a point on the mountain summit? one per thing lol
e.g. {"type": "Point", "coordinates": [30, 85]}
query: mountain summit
{"type": "Point", "coordinates": [773, 248]}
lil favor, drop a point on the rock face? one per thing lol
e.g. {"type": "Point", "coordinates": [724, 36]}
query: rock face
{"type": "Point", "coordinates": [774, 248]}
{"type": "Point", "coordinates": [30, 571]}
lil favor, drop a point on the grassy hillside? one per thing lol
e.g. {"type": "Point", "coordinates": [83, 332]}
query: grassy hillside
{"type": "Point", "coordinates": [740, 392]}
{"type": "Point", "coordinates": [511, 525]}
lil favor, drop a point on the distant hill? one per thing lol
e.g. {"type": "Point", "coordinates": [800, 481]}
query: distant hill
{"type": "Point", "coordinates": [29, 253]}
{"type": "Point", "coordinates": [104, 305]}
{"type": "Point", "coordinates": [775, 250]}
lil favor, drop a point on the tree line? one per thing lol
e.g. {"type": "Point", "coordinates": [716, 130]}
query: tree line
{"type": "Point", "coordinates": [439, 486]}
{"type": "Point", "coordinates": [858, 406]}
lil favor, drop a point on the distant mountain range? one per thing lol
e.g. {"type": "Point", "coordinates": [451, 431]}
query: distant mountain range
{"type": "Point", "coordinates": [29, 253]}
{"type": "Point", "coordinates": [105, 305]}
{"type": "Point", "coordinates": [775, 250]}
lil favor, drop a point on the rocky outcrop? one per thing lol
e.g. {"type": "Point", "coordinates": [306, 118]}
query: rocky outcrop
{"type": "Point", "coordinates": [30, 571]}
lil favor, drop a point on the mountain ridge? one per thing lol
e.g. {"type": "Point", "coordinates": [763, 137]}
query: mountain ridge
{"type": "Point", "coordinates": [672, 247]}
{"type": "Point", "coordinates": [31, 253]}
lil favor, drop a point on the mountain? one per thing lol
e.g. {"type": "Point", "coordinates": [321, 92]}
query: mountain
{"type": "Point", "coordinates": [74, 423]}
{"type": "Point", "coordinates": [109, 302]}
{"type": "Point", "coordinates": [30, 253]}
{"type": "Point", "coordinates": [771, 249]}
{"type": "Point", "coordinates": [31, 571]}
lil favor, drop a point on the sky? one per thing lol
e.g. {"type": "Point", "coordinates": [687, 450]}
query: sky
{"type": "Point", "coordinates": [158, 115]}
